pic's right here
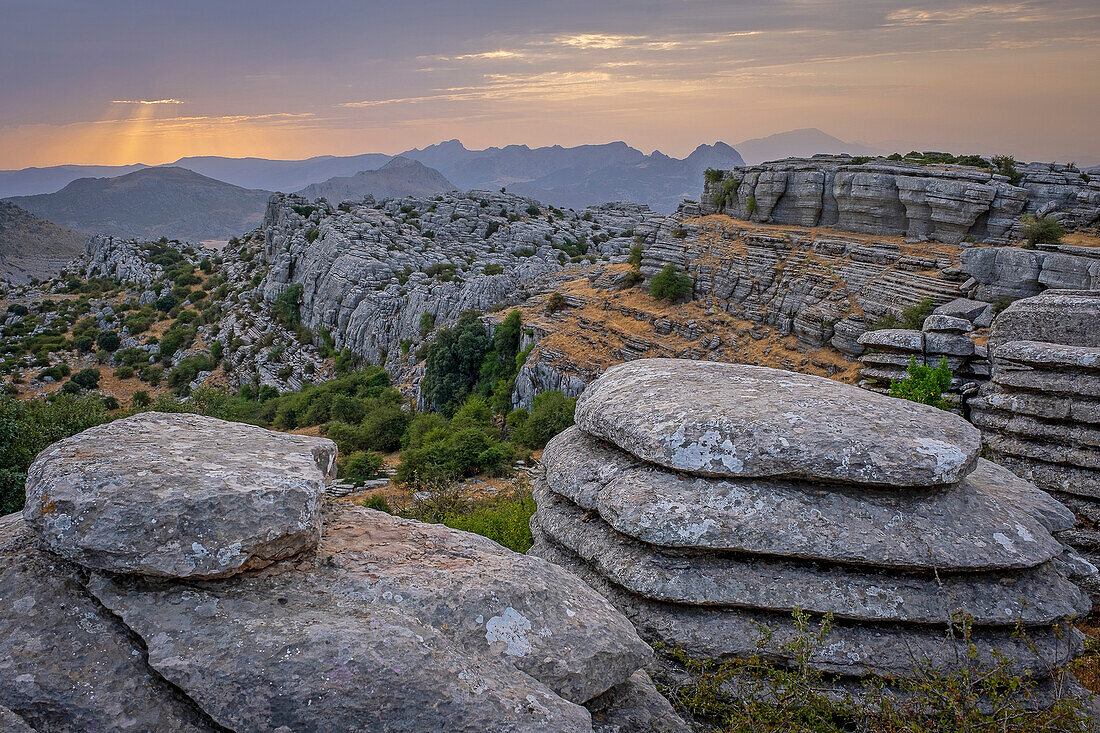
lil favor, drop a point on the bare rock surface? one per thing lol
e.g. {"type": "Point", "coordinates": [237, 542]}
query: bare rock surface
{"type": "Point", "coordinates": [1033, 597]}
{"type": "Point", "coordinates": [979, 523]}
{"type": "Point", "coordinates": [733, 420]}
{"type": "Point", "coordinates": [393, 625]}
{"type": "Point", "coordinates": [177, 495]}
{"type": "Point", "coordinates": [66, 663]}
{"type": "Point", "coordinates": [635, 706]}
{"type": "Point", "coordinates": [850, 650]}
{"type": "Point", "coordinates": [1066, 317]}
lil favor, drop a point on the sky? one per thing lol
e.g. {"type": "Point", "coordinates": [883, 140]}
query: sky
{"type": "Point", "coordinates": [114, 82]}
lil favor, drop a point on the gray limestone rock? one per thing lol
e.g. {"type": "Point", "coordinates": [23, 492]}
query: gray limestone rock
{"type": "Point", "coordinates": [635, 706]}
{"type": "Point", "coordinates": [951, 344]}
{"type": "Point", "coordinates": [12, 723]}
{"type": "Point", "coordinates": [178, 495]}
{"type": "Point", "coordinates": [393, 625]}
{"type": "Point", "coordinates": [1027, 354]}
{"type": "Point", "coordinates": [1033, 428]}
{"type": "Point", "coordinates": [850, 650]}
{"type": "Point", "coordinates": [1068, 479]}
{"type": "Point", "coordinates": [973, 311]}
{"type": "Point", "coordinates": [985, 522]}
{"type": "Point", "coordinates": [1047, 406]}
{"type": "Point", "coordinates": [1033, 597]}
{"type": "Point", "coordinates": [947, 324]}
{"type": "Point", "coordinates": [1068, 317]}
{"type": "Point", "coordinates": [1048, 381]}
{"type": "Point", "coordinates": [735, 420]}
{"type": "Point", "coordinates": [894, 339]}
{"type": "Point", "coordinates": [66, 663]}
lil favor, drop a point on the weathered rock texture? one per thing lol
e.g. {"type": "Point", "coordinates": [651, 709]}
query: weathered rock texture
{"type": "Point", "coordinates": [710, 564]}
{"type": "Point", "coordinates": [173, 495]}
{"type": "Point", "coordinates": [1040, 415]}
{"type": "Point", "coordinates": [379, 624]}
{"type": "Point", "coordinates": [946, 203]}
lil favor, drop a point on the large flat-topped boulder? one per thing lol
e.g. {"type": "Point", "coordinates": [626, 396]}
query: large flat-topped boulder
{"type": "Point", "coordinates": [393, 625]}
{"type": "Point", "coordinates": [177, 495]}
{"type": "Point", "coordinates": [989, 520]}
{"type": "Point", "coordinates": [1035, 596]}
{"type": "Point", "coordinates": [733, 420]}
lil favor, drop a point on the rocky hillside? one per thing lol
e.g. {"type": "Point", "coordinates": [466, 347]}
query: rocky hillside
{"type": "Point", "coordinates": [398, 178]}
{"type": "Point", "coordinates": [31, 247]}
{"type": "Point", "coordinates": [155, 202]}
{"type": "Point", "coordinates": [943, 202]}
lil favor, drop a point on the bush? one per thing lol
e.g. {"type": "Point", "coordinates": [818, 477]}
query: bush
{"type": "Point", "coordinates": [712, 175]}
{"type": "Point", "coordinates": [378, 503]}
{"type": "Point", "coordinates": [551, 412]}
{"type": "Point", "coordinates": [312, 234]}
{"type": "Point", "coordinates": [924, 384]}
{"type": "Point", "coordinates": [124, 372]}
{"type": "Point", "coordinates": [555, 302]}
{"type": "Point", "coordinates": [363, 466]}
{"type": "Point", "coordinates": [86, 378]}
{"type": "Point", "coordinates": [1041, 230]}
{"type": "Point", "coordinates": [750, 205]}
{"type": "Point", "coordinates": [454, 362]}
{"type": "Point", "coordinates": [1006, 166]}
{"type": "Point", "coordinates": [287, 307]}
{"type": "Point", "coordinates": [671, 284]}
{"type": "Point", "coordinates": [493, 269]}
{"type": "Point", "coordinates": [140, 399]}
{"type": "Point", "coordinates": [109, 341]}
{"type": "Point", "coordinates": [636, 256]}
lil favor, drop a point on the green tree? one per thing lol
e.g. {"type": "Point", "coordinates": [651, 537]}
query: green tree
{"type": "Point", "coordinates": [551, 412]}
{"type": "Point", "coordinates": [454, 362]}
{"type": "Point", "coordinates": [1041, 230]}
{"type": "Point", "coordinates": [109, 341]}
{"type": "Point", "coordinates": [287, 306]}
{"type": "Point", "coordinates": [670, 284]}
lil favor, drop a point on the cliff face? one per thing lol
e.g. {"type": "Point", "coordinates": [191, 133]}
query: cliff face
{"type": "Point", "coordinates": [939, 202]}
{"type": "Point", "coordinates": [370, 273]}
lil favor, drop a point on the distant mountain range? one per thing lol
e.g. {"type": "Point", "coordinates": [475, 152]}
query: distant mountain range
{"type": "Point", "coordinates": [151, 203]}
{"type": "Point", "coordinates": [579, 176]}
{"type": "Point", "coordinates": [399, 177]}
{"type": "Point", "coordinates": [214, 197]}
{"type": "Point", "coordinates": [33, 248]}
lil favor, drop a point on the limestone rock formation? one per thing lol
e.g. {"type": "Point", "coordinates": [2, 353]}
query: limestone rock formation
{"type": "Point", "coordinates": [946, 203]}
{"type": "Point", "coordinates": [715, 565]}
{"type": "Point", "coordinates": [380, 623]}
{"type": "Point", "coordinates": [1040, 415]}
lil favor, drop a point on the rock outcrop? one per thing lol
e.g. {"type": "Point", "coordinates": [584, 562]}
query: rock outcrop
{"type": "Point", "coordinates": [957, 340]}
{"type": "Point", "coordinates": [946, 203]}
{"type": "Point", "coordinates": [1040, 415]}
{"type": "Point", "coordinates": [379, 623]}
{"type": "Point", "coordinates": [710, 502]}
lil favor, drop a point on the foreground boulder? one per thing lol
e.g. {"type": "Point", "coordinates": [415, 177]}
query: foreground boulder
{"type": "Point", "coordinates": [383, 624]}
{"type": "Point", "coordinates": [179, 496]}
{"type": "Point", "coordinates": [662, 499]}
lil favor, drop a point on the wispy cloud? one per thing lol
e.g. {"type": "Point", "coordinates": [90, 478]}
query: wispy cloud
{"type": "Point", "coordinates": [146, 101]}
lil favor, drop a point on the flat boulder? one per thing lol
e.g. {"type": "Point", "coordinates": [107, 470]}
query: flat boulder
{"type": "Point", "coordinates": [392, 625]}
{"type": "Point", "coordinates": [739, 421]}
{"type": "Point", "coordinates": [179, 496]}
{"type": "Point", "coordinates": [990, 520]}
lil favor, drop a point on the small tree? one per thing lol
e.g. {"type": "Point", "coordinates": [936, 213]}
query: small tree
{"type": "Point", "coordinates": [86, 378]}
{"type": "Point", "coordinates": [1041, 230]}
{"type": "Point", "coordinates": [670, 284]}
{"type": "Point", "coordinates": [555, 302]}
{"type": "Point", "coordinates": [109, 341]}
{"type": "Point", "coordinates": [288, 306]}
{"type": "Point", "coordinates": [363, 465]}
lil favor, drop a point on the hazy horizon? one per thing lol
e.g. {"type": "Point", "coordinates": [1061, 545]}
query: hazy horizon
{"type": "Point", "coordinates": [118, 83]}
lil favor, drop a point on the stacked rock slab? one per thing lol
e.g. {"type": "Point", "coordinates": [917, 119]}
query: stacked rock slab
{"type": "Point", "coordinates": [1040, 415]}
{"type": "Point", "coordinates": [180, 573]}
{"type": "Point", "coordinates": [711, 501]}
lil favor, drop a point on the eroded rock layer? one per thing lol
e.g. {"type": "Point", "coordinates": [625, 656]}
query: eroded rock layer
{"type": "Point", "coordinates": [720, 566]}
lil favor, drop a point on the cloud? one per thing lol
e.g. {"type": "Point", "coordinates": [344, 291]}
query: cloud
{"type": "Point", "coordinates": [146, 101]}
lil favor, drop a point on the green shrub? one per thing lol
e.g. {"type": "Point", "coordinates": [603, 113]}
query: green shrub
{"type": "Point", "coordinates": [636, 256]}
{"type": "Point", "coordinates": [671, 284]}
{"type": "Point", "coordinates": [555, 302]}
{"type": "Point", "coordinates": [312, 234]}
{"type": "Point", "coordinates": [1041, 230]}
{"type": "Point", "coordinates": [378, 503]}
{"type": "Point", "coordinates": [493, 269]}
{"type": "Point", "coordinates": [86, 378]}
{"type": "Point", "coordinates": [1006, 166]}
{"type": "Point", "coordinates": [363, 466]}
{"type": "Point", "coordinates": [551, 412]}
{"type": "Point", "coordinates": [287, 307]}
{"type": "Point", "coordinates": [454, 362]}
{"type": "Point", "coordinates": [924, 384]}
{"type": "Point", "coordinates": [750, 205]}
{"type": "Point", "coordinates": [124, 372]}
{"type": "Point", "coordinates": [712, 175]}
{"type": "Point", "coordinates": [109, 341]}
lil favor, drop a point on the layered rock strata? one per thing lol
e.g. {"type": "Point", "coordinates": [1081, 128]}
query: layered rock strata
{"type": "Point", "coordinates": [376, 623]}
{"type": "Point", "coordinates": [711, 502]}
{"type": "Point", "coordinates": [946, 203]}
{"type": "Point", "coordinates": [952, 339]}
{"type": "Point", "coordinates": [1040, 415]}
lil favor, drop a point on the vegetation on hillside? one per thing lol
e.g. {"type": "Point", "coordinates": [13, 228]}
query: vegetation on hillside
{"type": "Point", "coordinates": [925, 384]}
{"type": "Point", "coordinates": [1041, 230]}
{"type": "Point", "coordinates": [911, 318]}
